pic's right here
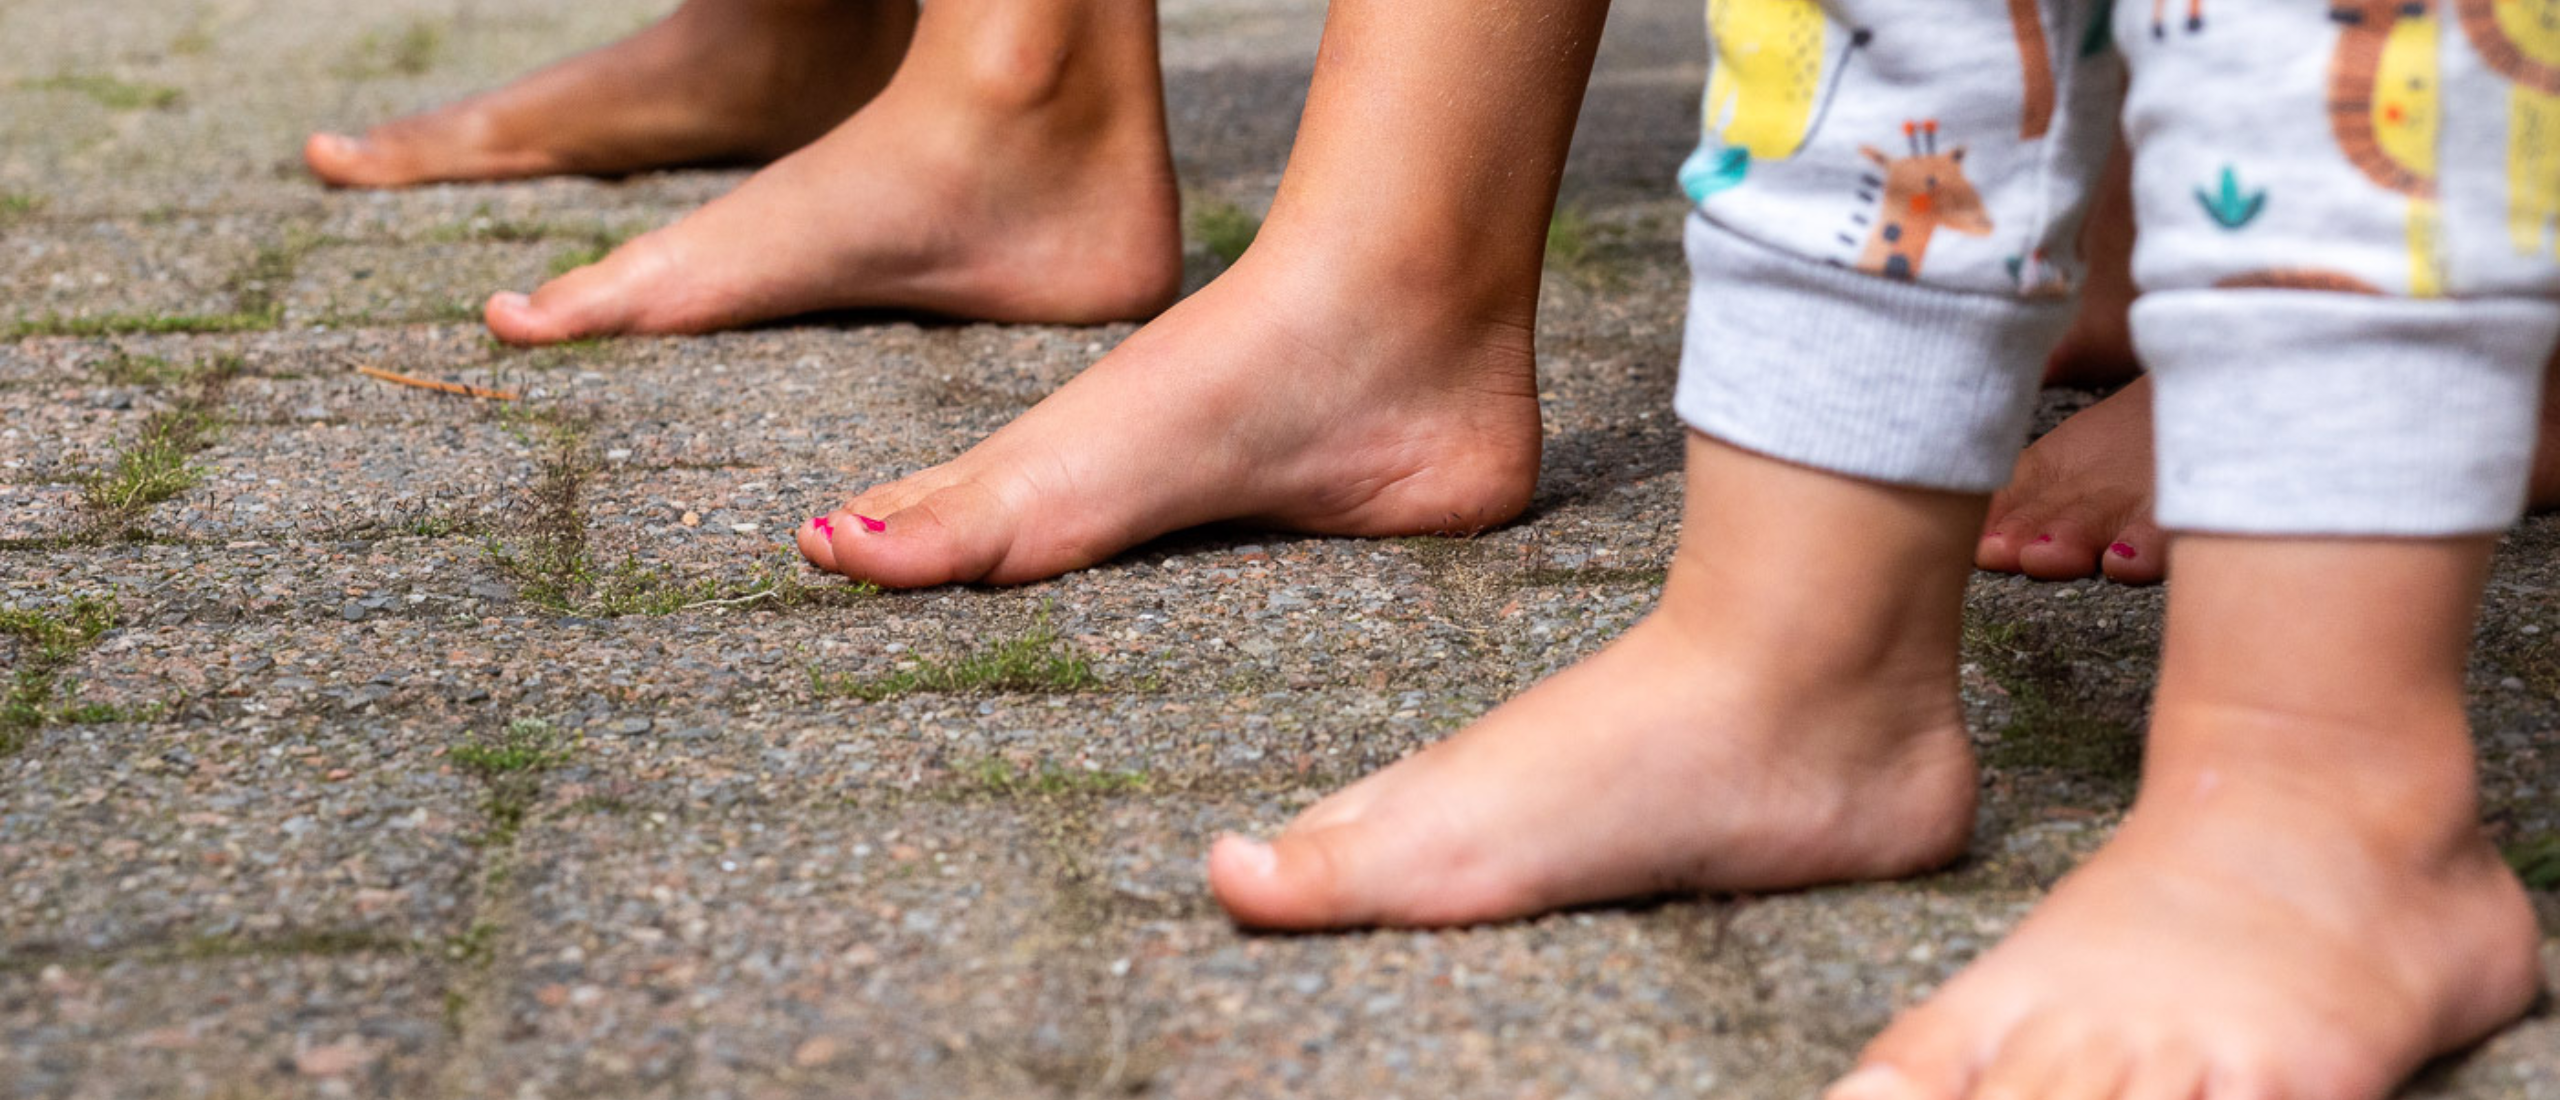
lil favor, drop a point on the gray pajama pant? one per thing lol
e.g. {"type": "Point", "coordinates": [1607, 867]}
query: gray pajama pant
{"type": "Point", "coordinates": [2349, 243]}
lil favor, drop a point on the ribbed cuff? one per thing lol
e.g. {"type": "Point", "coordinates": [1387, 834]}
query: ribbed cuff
{"type": "Point", "coordinates": [1858, 374]}
{"type": "Point", "coordinates": [2287, 412]}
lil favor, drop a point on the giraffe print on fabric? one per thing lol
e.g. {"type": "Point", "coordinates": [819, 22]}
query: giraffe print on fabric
{"type": "Point", "coordinates": [1917, 196]}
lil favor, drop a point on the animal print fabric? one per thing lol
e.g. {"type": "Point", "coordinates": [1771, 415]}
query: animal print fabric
{"type": "Point", "coordinates": [2349, 242]}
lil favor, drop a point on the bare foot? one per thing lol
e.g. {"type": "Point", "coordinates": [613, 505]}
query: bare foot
{"type": "Point", "coordinates": [2302, 903]}
{"type": "Point", "coordinates": [718, 81]}
{"type": "Point", "coordinates": [2080, 501]}
{"type": "Point", "coordinates": [2080, 504]}
{"type": "Point", "coordinates": [1278, 396]}
{"type": "Point", "coordinates": [2233, 941]}
{"type": "Point", "coordinates": [1744, 737]}
{"type": "Point", "coordinates": [988, 181]}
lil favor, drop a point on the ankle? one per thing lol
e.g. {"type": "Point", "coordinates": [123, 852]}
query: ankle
{"type": "Point", "coordinates": [1083, 69]}
{"type": "Point", "coordinates": [1820, 577]}
{"type": "Point", "coordinates": [2380, 784]}
{"type": "Point", "coordinates": [1451, 272]}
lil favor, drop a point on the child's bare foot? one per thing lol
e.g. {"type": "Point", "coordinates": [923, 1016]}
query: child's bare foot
{"type": "Point", "coordinates": [718, 81]}
{"type": "Point", "coordinates": [1278, 396]}
{"type": "Point", "coordinates": [1002, 177]}
{"type": "Point", "coordinates": [2234, 941]}
{"type": "Point", "coordinates": [2081, 501]}
{"type": "Point", "coordinates": [1788, 718]}
{"type": "Point", "coordinates": [2302, 903]}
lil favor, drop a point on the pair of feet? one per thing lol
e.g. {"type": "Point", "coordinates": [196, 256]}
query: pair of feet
{"type": "Point", "coordinates": [1789, 718]}
{"type": "Point", "coordinates": [966, 189]}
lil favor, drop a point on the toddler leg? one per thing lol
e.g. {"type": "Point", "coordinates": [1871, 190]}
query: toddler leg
{"type": "Point", "coordinates": [1789, 715]}
{"type": "Point", "coordinates": [2301, 903]}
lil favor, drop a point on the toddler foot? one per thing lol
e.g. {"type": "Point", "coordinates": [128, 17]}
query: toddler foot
{"type": "Point", "coordinates": [1742, 738]}
{"type": "Point", "coordinates": [2233, 942]}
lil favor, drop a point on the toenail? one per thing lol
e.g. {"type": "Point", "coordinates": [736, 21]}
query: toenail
{"type": "Point", "coordinates": [2124, 550]}
{"type": "Point", "coordinates": [1872, 1081]}
{"type": "Point", "coordinates": [872, 525]}
{"type": "Point", "coordinates": [1258, 858]}
{"type": "Point", "coordinates": [824, 527]}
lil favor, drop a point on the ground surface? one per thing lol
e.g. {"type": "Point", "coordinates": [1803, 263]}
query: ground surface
{"type": "Point", "coordinates": [413, 746]}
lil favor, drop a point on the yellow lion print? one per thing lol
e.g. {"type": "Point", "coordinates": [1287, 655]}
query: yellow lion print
{"type": "Point", "coordinates": [1767, 78]}
{"type": "Point", "coordinates": [2520, 39]}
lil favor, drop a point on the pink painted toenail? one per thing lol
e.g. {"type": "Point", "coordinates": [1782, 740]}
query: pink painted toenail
{"type": "Point", "coordinates": [872, 525]}
{"type": "Point", "coordinates": [2124, 550]}
{"type": "Point", "coordinates": [824, 527]}
{"type": "Point", "coordinates": [2043, 539]}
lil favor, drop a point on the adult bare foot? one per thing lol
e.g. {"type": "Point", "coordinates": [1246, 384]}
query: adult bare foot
{"type": "Point", "coordinates": [1279, 396]}
{"type": "Point", "coordinates": [1789, 717]}
{"type": "Point", "coordinates": [2080, 504]}
{"type": "Point", "coordinates": [2302, 903]}
{"type": "Point", "coordinates": [1016, 170]}
{"type": "Point", "coordinates": [718, 81]}
{"type": "Point", "coordinates": [1367, 369]}
{"type": "Point", "coordinates": [2080, 501]}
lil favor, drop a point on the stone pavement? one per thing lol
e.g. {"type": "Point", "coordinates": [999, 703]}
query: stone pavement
{"type": "Point", "coordinates": [361, 741]}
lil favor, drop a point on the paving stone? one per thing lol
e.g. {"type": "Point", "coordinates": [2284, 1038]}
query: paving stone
{"type": "Point", "coordinates": [190, 837]}
{"type": "Point", "coordinates": [309, 479]}
{"type": "Point", "coordinates": [336, 1025]}
{"type": "Point", "coordinates": [370, 284]}
{"type": "Point", "coordinates": [895, 955]}
{"type": "Point", "coordinates": [57, 271]}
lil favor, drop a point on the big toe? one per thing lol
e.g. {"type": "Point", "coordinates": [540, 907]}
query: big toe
{"type": "Point", "coordinates": [343, 161]}
{"type": "Point", "coordinates": [954, 535]}
{"type": "Point", "coordinates": [1925, 1055]}
{"type": "Point", "coordinates": [1302, 880]}
{"type": "Point", "coordinates": [601, 299]}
